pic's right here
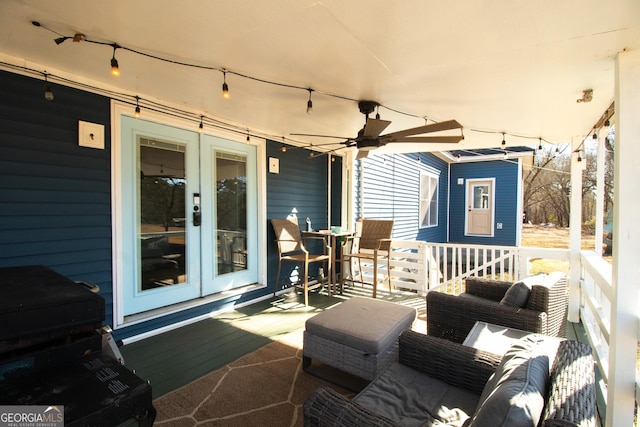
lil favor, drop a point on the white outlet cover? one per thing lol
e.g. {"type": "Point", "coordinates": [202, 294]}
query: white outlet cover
{"type": "Point", "coordinates": [90, 135]}
{"type": "Point", "coordinates": [274, 165]}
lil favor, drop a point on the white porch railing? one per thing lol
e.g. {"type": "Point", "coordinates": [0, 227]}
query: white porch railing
{"type": "Point", "coordinates": [447, 265]}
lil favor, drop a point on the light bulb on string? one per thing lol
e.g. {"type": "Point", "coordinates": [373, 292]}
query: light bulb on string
{"type": "Point", "coordinates": [595, 135]}
{"type": "Point", "coordinates": [309, 102]}
{"type": "Point", "coordinates": [137, 110]}
{"type": "Point", "coordinates": [115, 69]}
{"type": "Point", "coordinates": [201, 125]}
{"type": "Point", "coordinates": [539, 144]}
{"type": "Point", "coordinates": [248, 138]}
{"type": "Point", "coordinates": [225, 86]}
{"type": "Point", "coordinates": [504, 143]}
{"type": "Point", "coordinates": [48, 93]}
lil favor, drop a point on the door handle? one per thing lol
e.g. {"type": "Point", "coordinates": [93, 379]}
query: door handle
{"type": "Point", "coordinates": [197, 217]}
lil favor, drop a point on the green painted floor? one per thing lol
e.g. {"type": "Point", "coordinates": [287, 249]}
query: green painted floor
{"type": "Point", "coordinates": [178, 357]}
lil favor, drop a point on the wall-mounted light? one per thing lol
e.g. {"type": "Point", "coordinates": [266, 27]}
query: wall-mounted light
{"type": "Point", "coordinates": [587, 96]}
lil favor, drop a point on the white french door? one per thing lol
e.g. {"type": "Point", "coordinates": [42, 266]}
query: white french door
{"type": "Point", "coordinates": [189, 215]}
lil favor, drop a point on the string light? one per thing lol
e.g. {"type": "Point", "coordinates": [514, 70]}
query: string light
{"type": "Point", "coordinates": [248, 138]}
{"type": "Point", "coordinates": [283, 148]}
{"type": "Point", "coordinates": [83, 38]}
{"type": "Point", "coordinates": [539, 144]}
{"type": "Point", "coordinates": [595, 135]}
{"type": "Point", "coordinates": [309, 102]}
{"type": "Point", "coordinates": [115, 69]}
{"type": "Point", "coordinates": [48, 93]}
{"type": "Point", "coordinates": [201, 125]}
{"type": "Point", "coordinates": [137, 110]}
{"type": "Point", "coordinates": [225, 86]}
{"type": "Point", "coordinates": [504, 143]}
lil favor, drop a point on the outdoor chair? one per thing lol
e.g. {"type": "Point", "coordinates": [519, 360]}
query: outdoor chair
{"type": "Point", "coordinates": [292, 249]}
{"type": "Point", "coordinates": [371, 246]}
{"type": "Point", "coordinates": [537, 304]}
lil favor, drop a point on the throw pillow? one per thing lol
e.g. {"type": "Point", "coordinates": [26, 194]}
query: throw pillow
{"type": "Point", "coordinates": [515, 395]}
{"type": "Point", "coordinates": [518, 293]}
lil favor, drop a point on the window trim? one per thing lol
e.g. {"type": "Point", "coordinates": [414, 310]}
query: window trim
{"type": "Point", "coordinates": [428, 178]}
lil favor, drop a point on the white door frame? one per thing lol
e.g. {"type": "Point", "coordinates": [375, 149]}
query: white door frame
{"type": "Point", "coordinates": [469, 183]}
{"type": "Point", "coordinates": [119, 109]}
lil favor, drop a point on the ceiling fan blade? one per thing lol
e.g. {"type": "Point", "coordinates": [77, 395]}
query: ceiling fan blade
{"type": "Point", "coordinates": [425, 139]}
{"type": "Point", "coordinates": [362, 154]}
{"type": "Point", "coordinates": [434, 127]}
{"type": "Point", "coordinates": [319, 136]}
{"type": "Point", "coordinates": [374, 127]}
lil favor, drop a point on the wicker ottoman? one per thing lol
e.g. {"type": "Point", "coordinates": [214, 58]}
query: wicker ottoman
{"type": "Point", "coordinates": [359, 336]}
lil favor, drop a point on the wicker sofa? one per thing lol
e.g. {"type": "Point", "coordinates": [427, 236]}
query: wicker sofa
{"type": "Point", "coordinates": [440, 383]}
{"type": "Point", "coordinates": [542, 307]}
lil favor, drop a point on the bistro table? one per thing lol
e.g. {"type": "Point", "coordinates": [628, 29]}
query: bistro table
{"type": "Point", "coordinates": [332, 239]}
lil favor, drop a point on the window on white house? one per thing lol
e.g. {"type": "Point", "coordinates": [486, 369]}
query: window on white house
{"type": "Point", "coordinates": [428, 200]}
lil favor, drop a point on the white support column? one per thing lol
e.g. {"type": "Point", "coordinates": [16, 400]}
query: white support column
{"type": "Point", "coordinates": [626, 241]}
{"type": "Point", "coordinates": [575, 228]}
{"type": "Point", "coordinates": [600, 192]}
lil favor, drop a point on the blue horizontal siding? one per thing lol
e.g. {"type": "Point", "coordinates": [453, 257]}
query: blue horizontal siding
{"type": "Point", "coordinates": [391, 190]}
{"type": "Point", "coordinates": [55, 195]}
{"type": "Point", "coordinates": [506, 200]}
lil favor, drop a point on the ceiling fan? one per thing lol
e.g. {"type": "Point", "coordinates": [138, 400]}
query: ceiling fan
{"type": "Point", "coordinates": [369, 137]}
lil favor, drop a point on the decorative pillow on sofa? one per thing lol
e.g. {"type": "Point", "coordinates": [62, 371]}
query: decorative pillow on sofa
{"type": "Point", "coordinates": [518, 293]}
{"type": "Point", "coordinates": [515, 395]}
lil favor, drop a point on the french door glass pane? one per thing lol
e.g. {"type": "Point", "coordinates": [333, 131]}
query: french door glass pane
{"type": "Point", "coordinates": [162, 215]}
{"type": "Point", "coordinates": [231, 211]}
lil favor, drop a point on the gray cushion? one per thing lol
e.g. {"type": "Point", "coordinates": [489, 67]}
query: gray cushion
{"type": "Point", "coordinates": [515, 395]}
{"type": "Point", "coordinates": [411, 398]}
{"type": "Point", "coordinates": [518, 294]}
{"type": "Point", "coordinates": [366, 324]}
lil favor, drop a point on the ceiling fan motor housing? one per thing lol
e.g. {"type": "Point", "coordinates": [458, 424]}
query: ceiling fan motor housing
{"type": "Point", "coordinates": [367, 107]}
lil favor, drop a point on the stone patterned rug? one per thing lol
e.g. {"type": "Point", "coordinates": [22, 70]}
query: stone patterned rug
{"type": "Point", "coordinates": [264, 388]}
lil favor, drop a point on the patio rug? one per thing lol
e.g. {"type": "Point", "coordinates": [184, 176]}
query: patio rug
{"type": "Point", "coordinates": [264, 388]}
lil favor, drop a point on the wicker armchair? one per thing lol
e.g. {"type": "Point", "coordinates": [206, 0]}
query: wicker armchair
{"type": "Point", "coordinates": [570, 400]}
{"type": "Point", "coordinates": [292, 249]}
{"type": "Point", "coordinates": [371, 246]}
{"type": "Point", "coordinates": [452, 316]}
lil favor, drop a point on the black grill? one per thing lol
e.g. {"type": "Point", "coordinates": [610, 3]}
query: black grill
{"type": "Point", "coordinates": [51, 352]}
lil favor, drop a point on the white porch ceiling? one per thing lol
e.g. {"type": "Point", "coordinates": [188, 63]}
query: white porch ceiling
{"type": "Point", "coordinates": [498, 66]}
